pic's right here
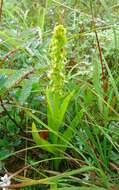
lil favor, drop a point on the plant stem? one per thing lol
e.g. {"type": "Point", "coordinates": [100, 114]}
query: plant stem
{"type": "Point", "coordinates": [6, 111]}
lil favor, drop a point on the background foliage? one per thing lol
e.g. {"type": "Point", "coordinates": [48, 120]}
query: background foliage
{"type": "Point", "coordinates": [66, 140]}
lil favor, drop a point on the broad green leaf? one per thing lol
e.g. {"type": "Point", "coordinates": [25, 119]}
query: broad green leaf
{"type": "Point", "coordinates": [4, 154]}
{"type": "Point", "coordinates": [52, 116]}
{"type": "Point", "coordinates": [49, 102]}
{"type": "Point", "coordinates": [40, 141]}
{"type": "Point", "coordinates": [64, 105]}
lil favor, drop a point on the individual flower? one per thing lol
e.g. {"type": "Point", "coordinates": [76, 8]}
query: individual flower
{"type": "Point", "coordinates": [5, 181]}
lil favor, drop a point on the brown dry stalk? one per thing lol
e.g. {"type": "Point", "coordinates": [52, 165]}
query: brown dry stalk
{"type": "Point", "coordinates": [1, 6]}
{"type": "Point", "coordinates": [98, 43]}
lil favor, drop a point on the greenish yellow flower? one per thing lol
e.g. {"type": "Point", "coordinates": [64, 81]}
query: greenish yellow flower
{"type": "Point", "coordinates": [58, 57]}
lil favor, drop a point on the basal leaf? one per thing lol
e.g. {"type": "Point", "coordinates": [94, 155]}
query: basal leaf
{"type": "Point", "coordinates": [40, 141]}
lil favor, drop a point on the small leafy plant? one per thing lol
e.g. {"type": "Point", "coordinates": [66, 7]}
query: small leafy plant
{"type": "Point", "coordinates": [57, 101]}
